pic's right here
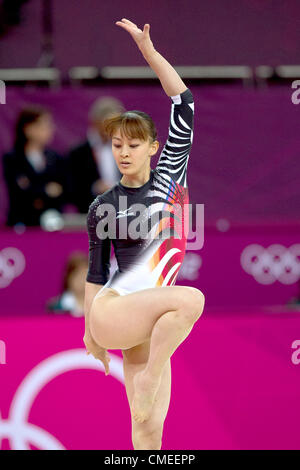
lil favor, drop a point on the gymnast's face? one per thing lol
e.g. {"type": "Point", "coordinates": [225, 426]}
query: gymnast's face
{"type": "Point", "coordinates": [132, 155]}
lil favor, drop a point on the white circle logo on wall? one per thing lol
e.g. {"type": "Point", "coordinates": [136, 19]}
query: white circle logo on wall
{"type": "Point", "coordinates": [275, 263]}
{"type": "Point", "coordinates": [12, 264]}
{"type": "Point", "coordinates": [16, 428]}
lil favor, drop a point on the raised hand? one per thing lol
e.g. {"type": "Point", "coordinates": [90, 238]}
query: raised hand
{"type": "Point", "coordinates": [142, 38]}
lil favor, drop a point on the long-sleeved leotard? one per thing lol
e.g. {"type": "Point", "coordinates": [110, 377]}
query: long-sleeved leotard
{"type": "Point", "coordinates": [149, 241]}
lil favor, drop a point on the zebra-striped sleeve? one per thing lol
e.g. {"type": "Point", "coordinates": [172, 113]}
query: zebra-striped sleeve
{"type": "Point", "coordinates": [99, 248]}
{"type": "Point", "coordinates": [174, 157]}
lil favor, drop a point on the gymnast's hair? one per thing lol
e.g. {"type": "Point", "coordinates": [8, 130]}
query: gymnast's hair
{"type": "Point", "coordinates": [132, 124]}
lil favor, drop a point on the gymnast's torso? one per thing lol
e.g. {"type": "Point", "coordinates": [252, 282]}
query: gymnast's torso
{"type": "Point", "coordinates": [147, 225]}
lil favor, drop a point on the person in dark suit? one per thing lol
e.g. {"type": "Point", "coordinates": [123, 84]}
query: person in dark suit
{"type": "Point", "coordinates": [91, 165]}
{"type": "Point", "coordinates": [33, 173]}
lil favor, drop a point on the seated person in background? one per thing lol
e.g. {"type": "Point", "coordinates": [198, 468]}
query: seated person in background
{"type": "Point", "coordinates": [34, 174]}
{"type": "Point", "coordinates": [92, 169]}
{"type": "Point", "coordinates": [72, 298]}
{"type": "Point", "coordinates": [294, 302]}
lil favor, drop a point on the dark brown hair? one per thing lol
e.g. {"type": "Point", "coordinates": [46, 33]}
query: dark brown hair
{"type": "Point", "coordinates": [27, 115]}
{"type": "Point", "coordinates": [133, 124]}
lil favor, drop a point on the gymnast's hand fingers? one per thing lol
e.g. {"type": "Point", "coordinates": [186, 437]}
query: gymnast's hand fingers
{"type": "Point", "coordinates": [146, 29]}
{"type": "Point", "coordinates": [125, 20]}
{"type": "Point", "coordinates": [106, 363]}
{"type": "Point", "coordinates": [130, 27]}
{"type": "Point", "coordinates": [106, 366]}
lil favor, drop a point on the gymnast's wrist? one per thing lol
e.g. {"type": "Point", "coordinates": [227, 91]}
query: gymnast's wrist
{"type": "Point", "coordinates": [148, 51]}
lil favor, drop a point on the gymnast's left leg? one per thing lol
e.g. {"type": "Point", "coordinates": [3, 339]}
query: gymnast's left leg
{"type": "Point", "coordinates": [148, 434]}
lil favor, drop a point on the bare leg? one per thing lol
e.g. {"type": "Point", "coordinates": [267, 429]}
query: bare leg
{"type": "Point", "coordinates": [168, 333]}
{"type": "Point", "coordinates": [147, 435]}
{"type": "Point", "coordinates": [122, 322]}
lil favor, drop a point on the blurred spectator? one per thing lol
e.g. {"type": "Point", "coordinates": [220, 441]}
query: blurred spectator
{"type": "Point", "coordinates": [72, 298]}
{"type": "Point", "coordinates": [10, 14]}
{"type": "Point", "coordinates": [34, 175]}
{"type": "Point", "coordinates": [294, 302]}
{"type": "Point", "coordinates": [92, 167]}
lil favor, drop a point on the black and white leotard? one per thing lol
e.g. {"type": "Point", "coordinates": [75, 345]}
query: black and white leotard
{"type": "Point", "coordinates": [153, 257]}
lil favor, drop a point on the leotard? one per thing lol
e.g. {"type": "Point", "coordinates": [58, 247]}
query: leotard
{"type": "Point", "coordinates": [149, 242]}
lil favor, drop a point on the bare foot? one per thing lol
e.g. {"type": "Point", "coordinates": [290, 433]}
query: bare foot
{"type": "Point", "coordinates": [145, 389]}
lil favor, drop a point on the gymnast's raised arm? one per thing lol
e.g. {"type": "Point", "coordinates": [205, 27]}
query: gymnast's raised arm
{"type": "Point", "coordinates": [169, 78]}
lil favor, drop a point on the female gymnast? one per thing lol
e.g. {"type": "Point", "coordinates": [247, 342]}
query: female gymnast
{"type": "Point", "coordinates": [139, 310]}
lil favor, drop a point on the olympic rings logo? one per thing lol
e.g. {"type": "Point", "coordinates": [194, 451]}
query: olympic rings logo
{"type": "Point", "coordinates": [17, 429]}
{"type": "Point", "coordinates": [12, 264]}
{"type": "Point", "coordinates": [276, 262]}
